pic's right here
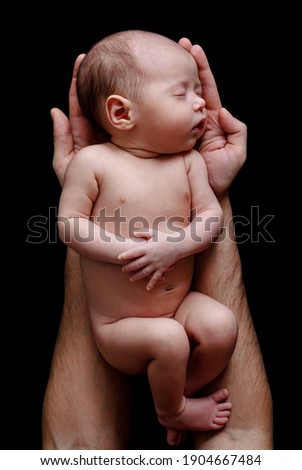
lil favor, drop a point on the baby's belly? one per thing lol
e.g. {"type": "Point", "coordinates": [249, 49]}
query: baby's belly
{"type": "Point", "coordinates": [111, 296]}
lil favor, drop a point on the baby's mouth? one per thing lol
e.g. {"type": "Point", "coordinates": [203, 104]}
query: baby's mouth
{"type": "Point", "coordinates": [200, 125]}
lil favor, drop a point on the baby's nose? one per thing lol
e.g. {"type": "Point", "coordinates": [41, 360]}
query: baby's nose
{"type": "Point", "coordinates": [199, 103]}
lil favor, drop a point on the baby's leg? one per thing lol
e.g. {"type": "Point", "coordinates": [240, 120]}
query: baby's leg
{"type": "Point", "coordinates": [158, 346]}
{"type": "Point", "coordinates": [212, 331]}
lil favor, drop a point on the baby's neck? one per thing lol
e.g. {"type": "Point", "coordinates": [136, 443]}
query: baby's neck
{"type": "Point", "coordinates": [137, 152]}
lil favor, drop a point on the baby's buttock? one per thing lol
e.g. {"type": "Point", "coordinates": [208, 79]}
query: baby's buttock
{"type": "Point", "coordinates": [111, 296]}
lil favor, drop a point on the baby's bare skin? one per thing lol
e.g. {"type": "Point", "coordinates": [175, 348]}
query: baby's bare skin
{"type": "Point", "coordinates": [156, 193]}
{"type": "Point", "coordinates": [134, 192]}
{"type": "Point", "coordinates": [152, 193]}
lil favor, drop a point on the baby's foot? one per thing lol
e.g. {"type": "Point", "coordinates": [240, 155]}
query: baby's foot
{"type": "Point", "coordinates": [198, 414]}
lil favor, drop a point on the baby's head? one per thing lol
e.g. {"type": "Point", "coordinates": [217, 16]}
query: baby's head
{"type": "Point", "coordinates": [110, 67]}
{"type": "Point", "coordinates": [126, 68]}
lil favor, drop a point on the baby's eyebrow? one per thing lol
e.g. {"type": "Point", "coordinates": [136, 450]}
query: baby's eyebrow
{"type": "Point", "coordinates": [181, 82]}
{"type": "Point", "coordinates": [176, 86]}
{"type": "Point", "coordinates": [184, 83]}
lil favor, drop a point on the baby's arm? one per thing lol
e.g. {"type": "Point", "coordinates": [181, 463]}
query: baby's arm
{"type": "Point", "coordinates": [161, 250]}
{"type": "Point", "coordinates": [77, 229]}
{"type": "Point", "coordinates": [206, 215]}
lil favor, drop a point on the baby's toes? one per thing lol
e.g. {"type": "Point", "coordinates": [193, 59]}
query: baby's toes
{"type": "Point", "coordinates": [224, 406]}
{"type": "Point", "coordinates": [220, 421]}
{"type": "Point", "coordinates": [223, 414]}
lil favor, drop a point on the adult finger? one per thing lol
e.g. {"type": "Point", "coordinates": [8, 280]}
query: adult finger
{"type": "Point", "coordinates": [74, 106]}
{"type": "Point", "coordinates": [209, 87]}
{"type": "Point", "coordinates": [236, 130]}
{"type": "Point", "coordinates": [63, 142]}
{"type": "Point", "coordinates": [185, 43]}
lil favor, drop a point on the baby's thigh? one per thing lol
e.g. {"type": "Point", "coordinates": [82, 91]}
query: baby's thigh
{"type": "Point", "coordinates": [130, 344]}
{"type": "Point", "coordinates": [206, 319]}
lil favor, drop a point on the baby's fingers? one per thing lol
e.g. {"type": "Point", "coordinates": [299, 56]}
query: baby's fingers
{"type": "Point", "coordinates": [134, 265]}
{"type": "Point", "coordinates": [157, 275]}
{"type": "Point", "coordinates": [142, 273]}
{"type": "Point", "coordinates": [136, 252]}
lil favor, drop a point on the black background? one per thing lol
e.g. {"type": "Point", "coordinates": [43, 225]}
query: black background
{"type": "Point", "coordinates": [247, 53]}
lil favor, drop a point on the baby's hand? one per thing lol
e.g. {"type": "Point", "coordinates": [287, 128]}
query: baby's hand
{"type": "Point", "coordinates": [152, 258]}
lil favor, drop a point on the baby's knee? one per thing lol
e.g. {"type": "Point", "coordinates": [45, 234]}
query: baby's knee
{"type": "Point", "coordinates": [174, 341]}
{"type": "Point", "coordinates": [220, 329]}
{"type": "Point", "coordinates": [230, 326]}
{"type": "Point", "coordinates": [226, 327]}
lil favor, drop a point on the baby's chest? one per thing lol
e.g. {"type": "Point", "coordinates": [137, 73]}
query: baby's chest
{"type": "Point", "coordinates": [160, 192]}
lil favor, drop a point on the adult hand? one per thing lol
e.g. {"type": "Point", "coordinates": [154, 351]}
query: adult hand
{"type": "Point", "coordinates": [70, 135]}
{"type": "Point", "coordinates": [223, 145]}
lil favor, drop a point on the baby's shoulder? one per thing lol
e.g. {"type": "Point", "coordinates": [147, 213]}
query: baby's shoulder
{"type": "Point", "coordinates": [192, 153]}
{"type": "Point", "coordinates": [194, 157]}
{"type": "Point", "coordinates": [94, 151]}
{"type": "Point", "coordinates": [92, 155]}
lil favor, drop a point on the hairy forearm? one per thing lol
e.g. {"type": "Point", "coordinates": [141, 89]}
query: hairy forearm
{"type": "Point", "coordinates": [220, 266]}
{"type": "Point", "coordinates": [86, 401]}
{"type": "Point", "coordinates": [219, 275]}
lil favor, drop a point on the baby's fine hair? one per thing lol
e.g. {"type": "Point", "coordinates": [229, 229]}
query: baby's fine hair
{"type": "Point", "coordinates": [110, 67]}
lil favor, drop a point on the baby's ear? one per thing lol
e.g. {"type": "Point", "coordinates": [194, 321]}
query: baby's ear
{"type": "Point", "coordinates": [120, 112]}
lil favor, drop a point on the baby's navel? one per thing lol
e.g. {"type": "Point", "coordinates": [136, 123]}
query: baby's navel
{"type": "Point", "coordinates": [123, 199]}
{"type": "Point", "coordinates": [169, 287]}
{"type": "Point", "coordinates": [187, 195]}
